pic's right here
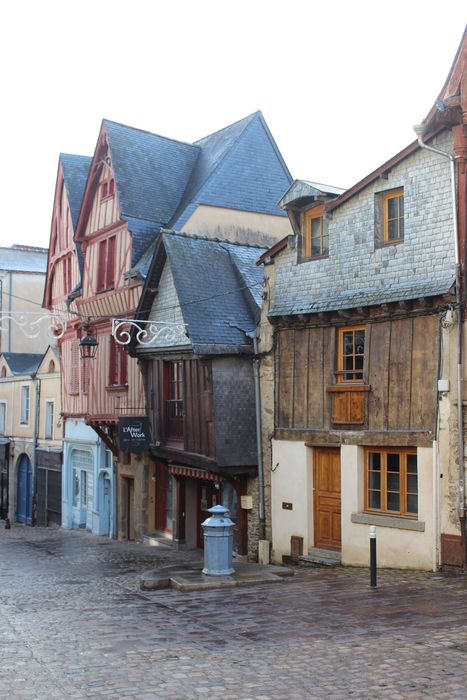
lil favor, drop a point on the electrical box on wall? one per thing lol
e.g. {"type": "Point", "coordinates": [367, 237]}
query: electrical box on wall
{"type": "Point", "coordinates": [246, 502]}
{"type": "Point", "coordinates": [443, 385]}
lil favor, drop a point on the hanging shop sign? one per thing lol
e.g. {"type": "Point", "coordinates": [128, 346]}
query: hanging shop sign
{"type": "Point", "coordinates": [133, 434]}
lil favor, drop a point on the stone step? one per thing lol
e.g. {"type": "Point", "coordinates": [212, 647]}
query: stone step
{"type": "Point", "coordinates": [320, 557]}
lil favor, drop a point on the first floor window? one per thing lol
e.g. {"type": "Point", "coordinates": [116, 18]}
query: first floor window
{"type": "Point", "coordinates": [49, 420]}
{"type": "Point", "coordinates": [2, 418]}
{"type": "Point", "coordinates": [392, 482]}
{"type": "Point", "coordinates": [393, 216]}
{"type": "Point", "coordinates": [316, 239]}
{"type": "Point", "coordinates": [24, 420]}
{"type": "Point", "coordinates": [118, 367]}
{"type": "Point", "coordinates": [351, 354]}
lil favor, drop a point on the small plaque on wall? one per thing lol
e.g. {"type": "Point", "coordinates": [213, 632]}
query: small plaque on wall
{"type": "Point", "coordinates": [246, 502]}
{"type": "Point", "coordinates": [287, 506]}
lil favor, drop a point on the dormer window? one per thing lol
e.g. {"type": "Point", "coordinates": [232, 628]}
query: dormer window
{"type": "Point", "coordinates": [315, 238]}
{"type": "Point", "coordinates": [393, 205]}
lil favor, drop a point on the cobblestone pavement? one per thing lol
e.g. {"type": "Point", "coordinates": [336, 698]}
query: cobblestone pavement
{"type": "Point", "coordinates": [74, 624]}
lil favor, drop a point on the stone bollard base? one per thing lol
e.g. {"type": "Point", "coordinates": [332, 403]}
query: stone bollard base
{"type": "Point", "coordinates": [263, 552]}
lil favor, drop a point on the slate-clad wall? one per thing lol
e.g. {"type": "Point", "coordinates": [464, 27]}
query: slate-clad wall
{"type": "Point", "coordinates": [234, 411]}
{"type": "Point", "coordinates": [355, 261]}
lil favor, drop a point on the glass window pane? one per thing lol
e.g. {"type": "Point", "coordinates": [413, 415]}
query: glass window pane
{"type": "Point", "coordinates": [401, 207]}
{"type": "Point", "coordinates": [325, 245]}
{"type": "Point", "coordinates": [348, 343]}
{"type": "Point", "coordinates": [412, 483]}
{"type": "Point", "coordinates": [374, 499]}
{"type": "Point", "coordinates": [393, 482]}
{"type": "Point", "coordinates": [374, 480]}
{"type": "Point", "coordinates": [393, 230]}
{"type": "Point", "coordinates": [393, 462]}
{"type": "Point", "coordinates": [393, 501]}
{"type": "Point", "coordinates": [316, 246]}
{"type": "Point", "coordinates": [316, 228]}
{"type": "Point", "coordinates": [401, 229]}
{"type": "Point", "coordinates": [393, 209]}
{"type": "Point", "coordinates": [412, 504]}
{"type": "Point", "coordinates": [375, 461]}
{"type": "Point", "coordinates": [412, 464]}
{"type": "Point", "coordinates": [359, 362]}
{"type": "Point", "coordinates": [359, 342]}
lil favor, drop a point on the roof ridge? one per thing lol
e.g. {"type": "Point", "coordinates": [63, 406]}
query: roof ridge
{"type": "Point", "coordinates": [73, 155]}
{"type": "Point", "coordinates": [150, 133]}
{"type": "Point", "coordinates": [229, 126]}
{"type": "Point", "coordinates": [196, 236]}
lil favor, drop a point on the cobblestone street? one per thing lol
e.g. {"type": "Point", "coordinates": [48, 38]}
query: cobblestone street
{"type": "Point", "coordinates": [74, 624]}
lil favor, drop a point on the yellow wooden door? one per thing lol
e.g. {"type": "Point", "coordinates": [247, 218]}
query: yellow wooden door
{"type": "Point", "coordinates": [327, 498]}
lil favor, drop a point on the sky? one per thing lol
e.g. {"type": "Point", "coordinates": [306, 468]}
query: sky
{"type": "Point", "coordinates": [340, 84]}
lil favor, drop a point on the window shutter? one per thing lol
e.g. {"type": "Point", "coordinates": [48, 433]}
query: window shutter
{"type": "Point", "coordinates": [123, 366]}
{"type": "Point", "coordinates": [110, 282]}
{"type": "Point", "coordinates": [101, 266]}
{"type": "Point", "coordinates": [112, 362]}
{"type": "Point", "coordinates": [73, 379]}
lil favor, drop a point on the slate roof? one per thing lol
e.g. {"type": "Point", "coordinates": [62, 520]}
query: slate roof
{"type": "Point", "coordinates": [23, 362]}
{"type": "Point", "coordinates": [352, 299]}
{"type": "Point", "coordinates": [219, 290]}
{"type": "Point", "coordinates": [23, 259]}
{"type": "Point", "coordinates": [75, 173]}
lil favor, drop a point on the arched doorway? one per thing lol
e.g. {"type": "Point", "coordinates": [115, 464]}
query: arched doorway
{"type": "Point", "coordinates": [24, 491]}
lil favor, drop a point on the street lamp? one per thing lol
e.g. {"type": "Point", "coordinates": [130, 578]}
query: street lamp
{"type": "Point", "coordinates": [88, 347]}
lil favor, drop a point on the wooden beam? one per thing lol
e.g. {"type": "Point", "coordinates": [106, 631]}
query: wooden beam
{"type": "Point", "coordinates": [106, 440]}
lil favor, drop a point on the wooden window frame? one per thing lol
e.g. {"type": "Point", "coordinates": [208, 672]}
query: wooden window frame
{"type": "Point", "coordinates": [107, 188]}
{"type": "Point", "coordinates": [403, 452]}
{"type": "Point", "coordinates": [316, 212]}
{"type": "Point", "coordinates": [25, 406]}
{"type": "Point", "coordinates": [3, 409]}
{"type": "Point", "coordinates": [47, 436]}
{"type": "Point", "coordinates": [397, 194]}
{"type": "Point", "coordinates": [340, 372]}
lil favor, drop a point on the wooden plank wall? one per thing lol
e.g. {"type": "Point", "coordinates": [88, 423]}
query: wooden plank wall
{"type": "Point", "coordinates": [198, 425]}
{"type": "Point", "coordinates": [401, 366]}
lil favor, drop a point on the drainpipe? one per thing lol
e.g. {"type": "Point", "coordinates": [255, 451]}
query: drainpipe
{"type": "Point", "coordinates": [420, 130]}
{"type": "Point", "coordinates": [259, 445]}
{"type": "Point", "coordinates": [10, 301]}
{"type": "Point", "coordinates": [34, 449]}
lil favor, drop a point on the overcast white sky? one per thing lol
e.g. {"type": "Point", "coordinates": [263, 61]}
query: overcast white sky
{"type": "Point", "coordinates": [339, 83]}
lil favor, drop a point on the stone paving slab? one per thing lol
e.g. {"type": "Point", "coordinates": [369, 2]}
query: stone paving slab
{"type": "Point", "coordinates": [190, 578]}
{"type": "Point", "coordinates": [74, 624]}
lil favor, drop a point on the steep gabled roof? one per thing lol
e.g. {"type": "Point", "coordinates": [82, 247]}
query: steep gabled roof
{"type": "Point", "coordinates": [22, 362]}
{"type": "Point", "coordinates": [239, 167]}
{"type": "Point", "coordinates": [151, 171]}
{"type": "Point", "coordinates": [218, 287]}
{"type": "Point", "coordinates": [75, 173]}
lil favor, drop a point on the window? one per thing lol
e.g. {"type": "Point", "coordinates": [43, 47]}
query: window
{"type": "Point", "coordinates": [392, 482]}
{"type": "Point", "coordinates": [51, 369]}
{"type": "Point", "coordinates": [393, 216]}
{"type": "Point", "coordinates": [66, 268]}
{"type": "Point", "coordinates": [24, 419]}
{"type": "Point", "coordinates": [351, 351]}
{"type": "Point", "coordinates": [106, 264]}
{"type": "Point", "coordinates": [118, 367]}
{"type": "Point", "coordinates": [174, 399]}
{"type": "Point", "coordinates": [2, 418]}
{"type": "Point", "coordinates": [107, 188]}
{"type": "Point", "coordinates": [316, 238]}
{"type": "Point", "coordinates": [49, 420]}
{"type": "Point", "coordinates": [3, 372]}
{"type": "Point", "coordinates": [73, 370]}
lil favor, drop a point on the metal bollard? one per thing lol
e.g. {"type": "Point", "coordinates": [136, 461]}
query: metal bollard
{"type": "Point", "coordinates": [373, 556]}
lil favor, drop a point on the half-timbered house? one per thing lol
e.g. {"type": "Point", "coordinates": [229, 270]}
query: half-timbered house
{"type": "Point", "coordinates": [225, 185]}
{"type": "Point", "coordinates": [203, 297]}
{"type": "Point", "coordinates": [363, 313]}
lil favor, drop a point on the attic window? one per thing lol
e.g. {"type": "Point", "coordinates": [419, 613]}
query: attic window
{"type": "Point", "coordinates": [3, 372]}
{"type": "Point", "coordinates": [315, 237]}
{"type": "Point", "coordinates": [51, 367]}
{"type": "Point", "coordinates": [107, 188]}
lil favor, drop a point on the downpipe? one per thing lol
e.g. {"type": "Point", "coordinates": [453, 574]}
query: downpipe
{"type": "Point", "coordinates": [420, 130]}
{"type": "Point", "coordinates": [259, 444]}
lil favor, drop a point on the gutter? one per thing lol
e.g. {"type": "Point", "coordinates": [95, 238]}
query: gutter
{"type": "Point", "coordinates": [420, 130]}
{"type": "Point", "coordinates": [34, 449]}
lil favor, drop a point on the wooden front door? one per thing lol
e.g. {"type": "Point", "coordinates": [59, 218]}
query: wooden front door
{"type": "Point", "coordinates": [327, 498]}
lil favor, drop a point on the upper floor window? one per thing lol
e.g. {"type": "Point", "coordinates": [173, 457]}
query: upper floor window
{"type": "Point", "coordinates": [393, 216]}
{"type": "Point", "coordinates": [106, 264]}
{"type": "Point", "coordinates": [2, 417]}
{"type": "Point", "coordinates": [67, 265]}
{"type": "Point", "coordinates": [107, 188]}
{"type": "Point", "coordinates": [173, 394]}
{"type": "Point", "coordinates": [49, 420]}
{"type": "Point", "coordinates": [24, 416]}
{"type": "Point", "coordinates": [351, 353]}
{"type": "Point", "coordinates": [118, 366]}
{"type": "Point", "coordinates": [391, 481]}
{"type": "Point", "coordinates": [3, 373]}
{"type": "Point", "coordinates": [51, 369]}
{"type": "Point", "coordinates": [315, 234]}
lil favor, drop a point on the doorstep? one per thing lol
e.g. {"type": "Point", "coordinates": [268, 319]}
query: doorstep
{"type": "Point", "coordinates": [320, 557]}
{"type": "Point", "coordinates": [190, 578]}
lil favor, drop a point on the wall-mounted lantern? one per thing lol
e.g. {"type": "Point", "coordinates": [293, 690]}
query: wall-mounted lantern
{"type": "Point", "coordinates": [88, 347]}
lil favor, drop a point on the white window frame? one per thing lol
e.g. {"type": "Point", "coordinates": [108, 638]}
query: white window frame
{"type": "Point", "coordinates": [25, 409]}
{"type": "Point", "coordinates": [47, 436]}
{"type": "Point", "coordinates": [3, 417]}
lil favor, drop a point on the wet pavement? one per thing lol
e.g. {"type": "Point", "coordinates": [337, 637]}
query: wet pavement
{"type": "Point", "coordinates": [75, 624]}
